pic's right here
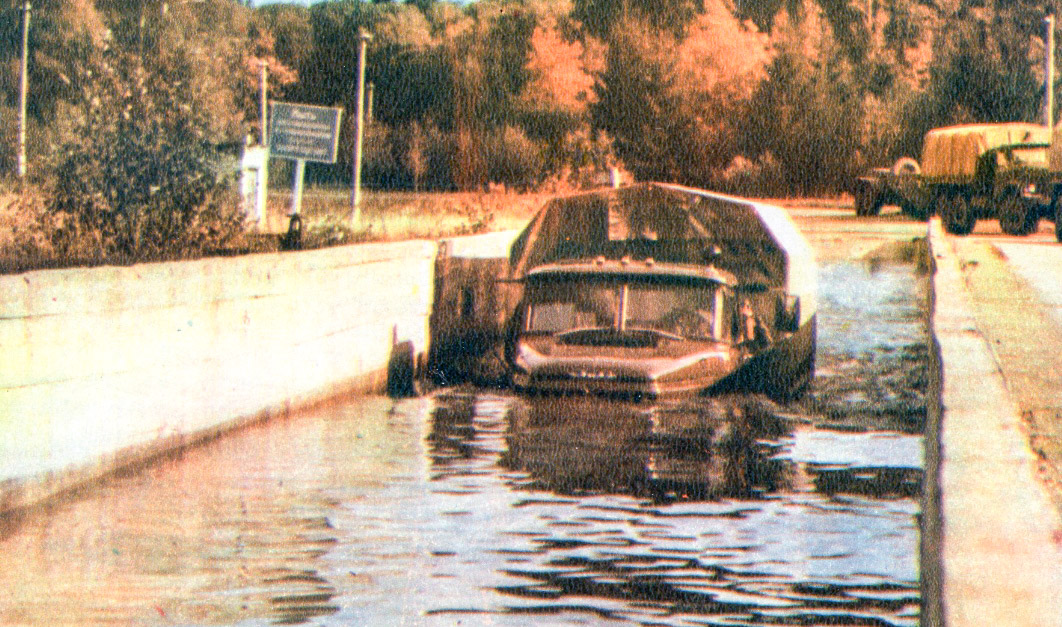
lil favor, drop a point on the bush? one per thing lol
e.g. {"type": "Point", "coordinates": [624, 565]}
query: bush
{"type": "Point", "coordinates": [762, 177]}
{"type": "Point", "coordinates": [512, 159]}
{"type": "Point", "coordinates": [810, 121]}
{"type": "Point", "coordinates": [142, 181]}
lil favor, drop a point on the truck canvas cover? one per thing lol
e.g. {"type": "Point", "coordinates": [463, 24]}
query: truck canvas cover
{"type": "Point", "coordinates": [757, 243]}
{"type": "Point", "coordinates": [954, 150]}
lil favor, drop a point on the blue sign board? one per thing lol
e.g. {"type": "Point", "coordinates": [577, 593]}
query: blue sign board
{"type": "Point", "coordinates": [304, 132]}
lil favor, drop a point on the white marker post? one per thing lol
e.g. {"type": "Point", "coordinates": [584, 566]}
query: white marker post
{"type": "Point", "coordinates": [296, 190]}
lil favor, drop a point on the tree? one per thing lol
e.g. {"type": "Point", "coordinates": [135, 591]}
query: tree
{"type": "Point", "coordinates": [673, 106]}
{"type": "Point", "coordinates": [142, 181]}
{"type": "Point", "coordinates": [599, 17]}
{"type": "Point", "coordinates": [61, 35]}
{"type": "Point", "coordinates": [808, 119]}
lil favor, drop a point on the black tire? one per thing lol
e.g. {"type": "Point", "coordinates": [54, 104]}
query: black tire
{"type": "Point", "coordinates": [861, 201]}
{"type": "Point", "coordinates": [401, 372]}
{"type": "Point", "coordinates": [867, 201]}
{"type": "Point", "coordinates": [916, 212]}
{"type": "Point", "coordinates": [804, 378]}
{"type": "Point", "coordinates": [873, 205]}
{"type": "Point", "coordinates": [1016, 217]}
{"type": "Point", "coordinates": [956, 215]}
{"type": "Point", "coordinates": [1056, 213]}
{"type": "Point", "coordinates": [796, 382]}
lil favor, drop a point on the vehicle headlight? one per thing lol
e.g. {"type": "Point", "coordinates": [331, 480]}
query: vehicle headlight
{"type": "Point", "coordinates": [520, 359]}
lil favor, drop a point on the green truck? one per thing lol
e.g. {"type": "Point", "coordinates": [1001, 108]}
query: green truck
{"type": "Point", "coordinates": [1011, 172]}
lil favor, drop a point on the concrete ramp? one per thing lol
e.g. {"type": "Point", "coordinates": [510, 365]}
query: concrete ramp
{"type": "Point", "coordinates": [990, 553]}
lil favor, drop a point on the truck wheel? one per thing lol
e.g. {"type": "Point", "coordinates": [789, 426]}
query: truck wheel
{"type": "Point", "coordinates": [861, 201]}
{"type": "Point", "coordinates": [956, 215]}
{"type": "Point", "coordinates": [916, 211]}
{"type": "Point", "coordinates": [1056, 212]}
{"type": "Point", "coordinates": [1016, 217]}
{"type": "Point", "coordinates": [867, 201]}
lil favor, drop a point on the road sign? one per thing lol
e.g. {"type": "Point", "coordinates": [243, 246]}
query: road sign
{"type": "Point", "coordinates": [304, 132]}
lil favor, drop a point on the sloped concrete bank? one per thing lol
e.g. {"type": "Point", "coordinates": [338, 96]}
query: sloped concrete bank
{"type": "Point", "coordinates": [105, 368]}
{"type": "Point", "coordinates": [990, 553]}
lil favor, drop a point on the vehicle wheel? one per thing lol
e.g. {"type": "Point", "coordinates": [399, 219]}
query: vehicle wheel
{"type": "Point", "coordinates": [401, 372]}
{"type": "Point", "coordinates": [916, 212]}
{"type": "Point", "coordinates": [1015, 215]}
{"type": "Point", "coordinates": [1056, 212]}
{"type": "Point", "coordinates": [867, 201]}
{"type": "Point", "coordinates": [956, 215]}
{"type": "Point", "coordinates": [861, 200]}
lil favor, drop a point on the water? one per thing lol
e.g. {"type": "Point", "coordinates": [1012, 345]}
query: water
{"type": "Point", "coordinates": [477, 507]}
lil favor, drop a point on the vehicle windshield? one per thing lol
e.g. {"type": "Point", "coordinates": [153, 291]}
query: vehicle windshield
{"type": "Point", "coordinates": [689, 310]}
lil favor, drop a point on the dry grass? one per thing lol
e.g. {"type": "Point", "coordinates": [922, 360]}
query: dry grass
{"type": "Point", "coordinates": [326, 215]}
{"type": "Point", "coordinates": [389, 216]}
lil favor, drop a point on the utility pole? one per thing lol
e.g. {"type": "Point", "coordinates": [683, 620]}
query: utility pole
{"type": "Point", "coordinates": [22, 94]}
{"type": "Point", "coordinates": [356, 195]}
{"type": "Point", "coordinates": [1049, 70]}
{"type": "Point", "coordinates": [263, 104]}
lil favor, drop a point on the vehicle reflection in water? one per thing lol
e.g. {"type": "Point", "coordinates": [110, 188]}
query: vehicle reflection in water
{"type": "Point", "coordinates": [695, 450]}
{"type": "Point", "coordinates": [724, 511]}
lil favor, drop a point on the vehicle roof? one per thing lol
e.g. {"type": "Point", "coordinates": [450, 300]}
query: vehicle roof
{"type": "Point", "coordinates": [756, 243]}
{"type": "Point", "coordinates": [640, 268]}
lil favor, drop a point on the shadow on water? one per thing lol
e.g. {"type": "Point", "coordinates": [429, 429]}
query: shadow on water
{"type": "Point", "coordinates": [872, 355]}
{"type": "Point", "coordinates": [728, 511]}
{"type": "Point", "coordinates": [698, 450]}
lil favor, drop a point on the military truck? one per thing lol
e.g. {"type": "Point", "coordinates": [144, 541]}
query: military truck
{"type": "Point", "coordinates": [972, 171]}
{"type": "Point", "coordinates": [657, 290]}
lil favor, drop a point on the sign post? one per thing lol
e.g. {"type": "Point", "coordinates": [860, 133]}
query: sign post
{"type": "Point", "coordinates": [303, 133]}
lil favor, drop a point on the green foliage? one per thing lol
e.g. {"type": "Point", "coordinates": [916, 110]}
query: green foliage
{"type": "Point", "coordinates": [976, 81]}
{"type": "Point", "coordinates": [515, 92]}
{"type": "Point", "coordinates": [637, 107]}
{"type": "Point", "coordinates": [808, 120]}
{"type": "Point", "coordinates": [61, 34]}
{"type": "Point", "coordinates": [601, 16]}
{"type": "Point", "coordinates": [142, 181]}
{"type": "Point", "coordinates": [513, 158]}
{"type": "Point", "coordinates": [671, 110]}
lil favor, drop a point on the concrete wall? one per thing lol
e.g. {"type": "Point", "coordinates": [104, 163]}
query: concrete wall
{"type": "Point", "coordinates": [101, 368]}
{"type": "Point", "coordinates": [107, 367]}
{"type": "Point", "coordinates": [990, 553]}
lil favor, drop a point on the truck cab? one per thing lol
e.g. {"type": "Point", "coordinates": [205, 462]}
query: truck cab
{"type": "Point", "coordinates": [659, 290]}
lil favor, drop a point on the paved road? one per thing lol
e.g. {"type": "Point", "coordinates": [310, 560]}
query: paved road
{"type": "Point", "coordinates": [1040, 263]}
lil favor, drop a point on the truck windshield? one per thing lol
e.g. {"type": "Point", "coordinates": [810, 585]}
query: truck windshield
{"type": "Point", "coordinates": [688, 310]}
